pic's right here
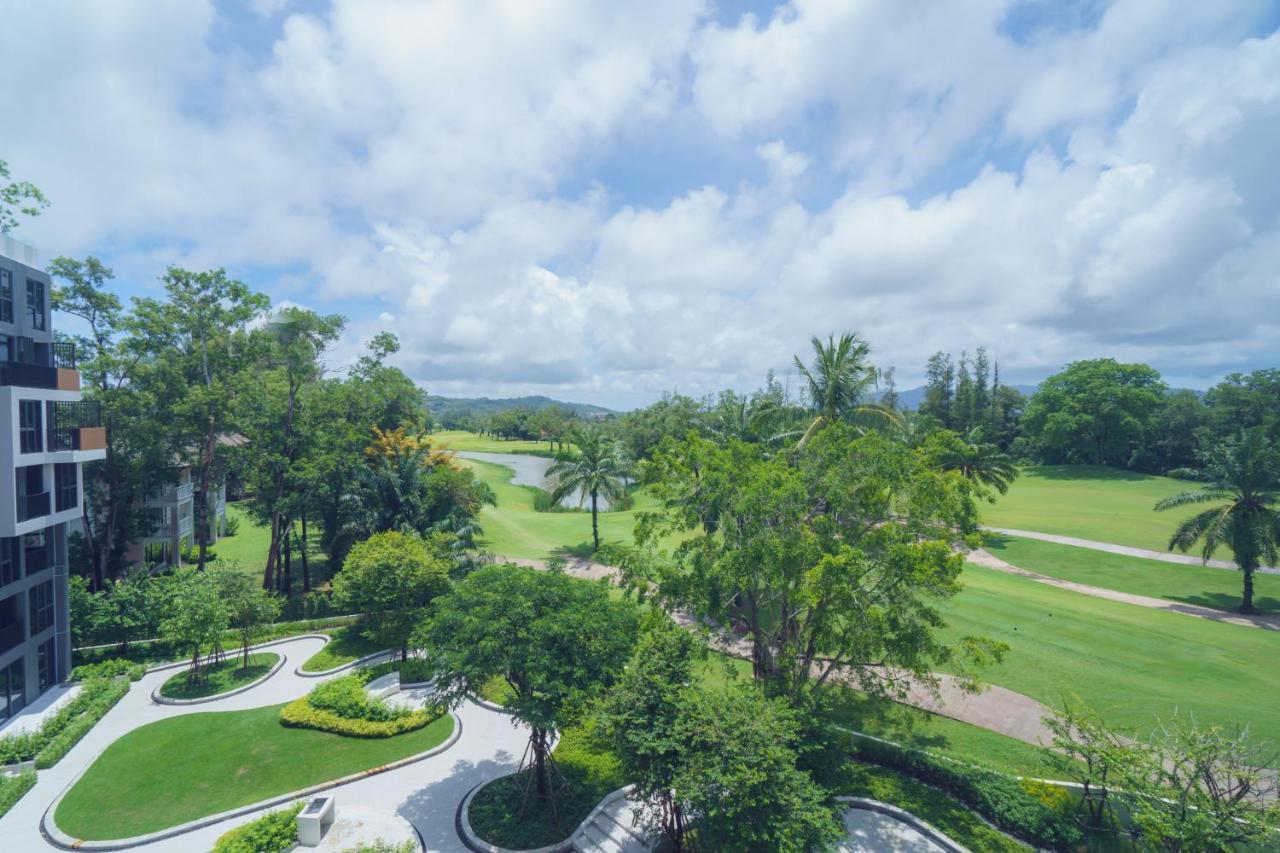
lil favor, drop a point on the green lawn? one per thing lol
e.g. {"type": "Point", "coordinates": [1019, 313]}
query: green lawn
{"type": "Point", "coordinates": [1187, 584]}
{"type": "Point", "coordinates": [220, 678]}
{"type": "Point", "coordinates": [346, 646]}
{"type": "Point", "coordinates": [248, 547]}
{"type": "Point", "coordinates": [1131, 663]}
{"type": "Point", "coordinates": [515, 529]}
{"type": "Point", "coordinates": [1091, 502]}
{"type": "Point", "coordinates": [457, 439]}
{"type": "Point", "coordinates": [186, 767]}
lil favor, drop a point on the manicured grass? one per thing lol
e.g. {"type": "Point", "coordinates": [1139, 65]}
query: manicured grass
{"type": "Point", "coordinates": [346, 646]}
{"type": "Point", "coordinates": [1131, 663]}
{"type": "Point", "coordinates": [943, 812]}
{"type": "Point", "coordinates": [1092, 502]}
{"type": "Point", "coordinates": [220, 678]}
{"type": "Point", "coordinates": [1199, 585]}
{"type": "Point", "coordinates": [186, 767]}
{"type": "Point", "coordinates": [248, 548]}
{"type": "Point", "coordinates": [457, 439]}
{"type": "Point", "coordinates": [590, 772]}
{"type": "Point", "coordinates": [514, 528]}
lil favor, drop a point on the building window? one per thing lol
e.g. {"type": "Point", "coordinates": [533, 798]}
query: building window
{"type": "Point", "coordinates": [35, 553]}
{"type": "Point", "coordinates": [40, 599]}
{"type": "Point", "coordinates": [13, 695]}
{"type": "Point", "coordinates": [10, 571]}
{"type": "Point", "coordinates": [6, 296]}
{"type": "Point", "coordinates": [64, 484]}
{"type": "Point", "coordinates": [35, 304]}
{"type": "Point", "coordinates": [33, 500]}
{"type": "Point", "coordinates": [29, 438]}
{"type": "Point", "coordinates": [10, 623]}
{"type": "Point", "coordinates": [46, 668]}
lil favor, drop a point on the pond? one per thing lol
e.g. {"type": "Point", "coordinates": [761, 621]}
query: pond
{"type": "Point", "coordinates": [530, 471]}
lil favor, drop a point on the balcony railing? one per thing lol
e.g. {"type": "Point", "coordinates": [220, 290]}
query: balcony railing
{"type": "Point", "coordinates": [22, 375]}
{"type": "Point", "coordinates": [75, 426]}
{"type": "Point", "coordinates": [33, 506]}
{"type": "Point", "coordinates": [64, 355]}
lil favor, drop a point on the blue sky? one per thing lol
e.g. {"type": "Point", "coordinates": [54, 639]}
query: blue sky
{"type": "Point", "coordinates": [602, 202]}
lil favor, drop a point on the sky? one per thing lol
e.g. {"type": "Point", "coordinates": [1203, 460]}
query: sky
{"type": "Point", "coordinates": [603, 202]}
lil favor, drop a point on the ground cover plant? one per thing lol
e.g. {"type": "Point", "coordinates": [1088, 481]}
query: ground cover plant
{"type": "Point", "coordinates": [1199, 585]}
{"type": "Point", "coordinates": [64, 729]}
{"type": "Point", "coordinates": [936, 808]}
{"type": "Point", "coordinates": [274, 832]}
{"type": "Point", "coordinates": [220, 677]}
{"type": "Point", "coordinates": [109, 668]}
{"type": "Point", "coordinates": [1130, 663]}
{"type": "Point", "coordinates": [347, 645]}
{"type": "Point", "coordinates": [13, 787]}
{"type": "Point", "coordinates": [590, 772]}
{"type": "Point", "coordinates": [1090, 502]}
{"type": "Point", "coordinates": [186, 767]}
{"type": "Point", "coordinates": [342, 706]}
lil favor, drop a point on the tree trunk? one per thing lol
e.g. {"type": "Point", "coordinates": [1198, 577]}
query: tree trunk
{"type": "Point", "coordinates": [306, 568]}
{"type": "Point", "coordinates": [1246, 606]}
{"type": "Point", "coordinates": [540, 763]}
{"type": "Point", "coordinates": [595, 524]}
{"type": "Point", "coordinates": [202, 501]}
{"type": "Point", "coordinates": [287, 576]}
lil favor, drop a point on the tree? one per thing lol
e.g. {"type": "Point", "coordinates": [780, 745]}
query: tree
{"type": "Point", "coordinates": [594, 469]}
{"type": "Point", "coordinates": [837, 381]}
{"type": "Point", "coordinates": [1241, 476]}
{"type": "Point", "coordinates": [738, 774]}
{"type": "Point", "coordinates": [391, 578]}
{"type": "Point", "coordinates": [249, 607]}
{"type": "Point", "coordinates": [1085, 749]}
{"type": "Point", "coordinates": [555, 640]}
{"type": "Point", "coordinates": [22, 196]}
{"type": "Point", "coordinates": [196, 616]}
{"type": "Point", "coordinates": [1097, 411]}
{"type": "Point", "coordinates": [208, 357]}
{"type": "Point", "coordinates": [1246, 400]}
{"type": "Point", "coordinates": [831, 568]}
{"type": "Point", "coordinates": [973, 458]}
{"type": "Point", "coordinates": [639, 717]}
{"type": "Point", "coordinates": [939, 391]}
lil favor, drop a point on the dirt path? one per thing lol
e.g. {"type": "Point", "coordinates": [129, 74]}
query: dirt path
{"type": "Point", "coordinates": [996, 709]}
{"type": "Point", "coordinates": [1127, 551]}
{"type": "Point", "coordinates": [988, 560]}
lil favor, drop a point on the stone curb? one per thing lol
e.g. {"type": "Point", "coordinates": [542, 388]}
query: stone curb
{"type": "Point", "coordinates": [376, 656]}
{"type": "Point", "coordinates": [60, 839]}
{"type": "Point", "coordinates": [462, 823]}
{"type": "Point", "coordinates": [936, 836]}
{"type": "Point", "coordinates": [487, 705]}
{"type": "Point", "coordinates": [165, 700]}
{"type": "Point", "coordinates": [179, 664]}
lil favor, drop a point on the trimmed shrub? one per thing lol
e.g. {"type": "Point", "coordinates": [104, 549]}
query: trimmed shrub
{"type": "Point", "coordinates": [13, 787]}
{"type": "Point", "coordinates": [346, 697]}
{"type": "Point", "coordinates": [62, 730]}
{"type": "Point", "coordinates": [274, 832]}
{"type": "Point", "coordinates": [75, 729]}
{"type": "Point", "coordinates": [1000, 799]}
{"type": "Point", "coordinates": [301, 714]}
{"type": "Point", "coordinates": [109, 668]}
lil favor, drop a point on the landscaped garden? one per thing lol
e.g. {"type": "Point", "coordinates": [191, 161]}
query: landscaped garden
{"type": "Point", "coordinates": [346, 646]}
{"type": "Point", "coordinates": [227, 675]}
{"type": "Point", "coordinates": [179, 769]}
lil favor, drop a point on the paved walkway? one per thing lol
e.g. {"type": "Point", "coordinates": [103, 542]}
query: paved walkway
{"type": "Point", "coordinates": [988, 560]}
{"type": "Point", "coordinates": [425, 793]}
{"type": "Point", "coordinates": [1128, 551]}
{"type": "Point", "coordinates": [872, 832]}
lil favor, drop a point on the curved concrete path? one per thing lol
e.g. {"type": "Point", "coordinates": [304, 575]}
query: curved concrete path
{"type": "Point", "coordinates": [869, 831]}
{"type": "Point", "coordinates": [1127, 550]}
{"type": "Point", "coordinates": [426, 793]}
{"type": "Point", "coordinates": [988, 560]}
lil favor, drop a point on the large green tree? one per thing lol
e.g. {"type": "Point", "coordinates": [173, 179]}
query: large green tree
{"type": "Point", "coordinates": [196, 616]}
{"type": "Point", "coordinates": [556, 641]}
{"type": "Point", "coordinates": [1098, 411]}
{"type": "Point", "coordinates": [593, 469]}
{"type": "Point", "coordinates": [1241, 478]}
{"type": "Point", "coordinates": [837, 382]}
{"type": "Point", "coordinates": [391, 578]}
{"type": "Point", "coordinates": [249, 607]}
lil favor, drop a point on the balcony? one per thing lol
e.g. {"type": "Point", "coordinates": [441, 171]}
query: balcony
{"type": "Point", "coordinates": [58, 375]}
{"type": "Point", "coordinates": [33, 506]}
{"type": "Point", "coordinates": [76, 426]}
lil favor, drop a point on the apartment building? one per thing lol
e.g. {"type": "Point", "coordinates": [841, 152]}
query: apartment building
{"type": "Point", "coordinates": [46, 432]}
{"type": "Point", "coordinates": [172, 510]}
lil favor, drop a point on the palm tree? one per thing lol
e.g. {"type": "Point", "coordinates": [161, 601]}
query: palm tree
{"type": "Point", "coordinates": [837, 381]}
{"type": "Point", "coordinates": [980, 461]}
{"type": "Point", "coordinates": [1243, 477]}
{"type": "Point", "coordinates": [593, 468]}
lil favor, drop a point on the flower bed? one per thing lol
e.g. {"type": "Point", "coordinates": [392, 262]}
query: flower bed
{"type": "Point", "coordinates": [343, 707]}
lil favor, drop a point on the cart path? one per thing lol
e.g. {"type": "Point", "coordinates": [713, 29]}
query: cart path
{"type": "Point", "coordinates": [1127, 550]}
{"type": "Point", "coordinates": [988, 560]}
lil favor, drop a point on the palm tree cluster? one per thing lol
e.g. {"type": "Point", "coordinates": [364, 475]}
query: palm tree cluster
{"type": "Point", "coordinates": [592, 467]}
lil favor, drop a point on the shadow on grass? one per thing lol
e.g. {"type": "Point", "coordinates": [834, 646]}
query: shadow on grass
{"type": "Point", "coordinates": [995, 541]}
{"type": "Point", "coordinates": [1228, 602]}
{"type": "Point", "coordinates": [1083, 472]}
{"type": "Point", "coordinates": [882, 717]}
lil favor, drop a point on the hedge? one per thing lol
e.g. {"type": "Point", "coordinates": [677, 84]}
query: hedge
{"type": "Point", "coordinates": [274, 832]}
{"type": "Point", "coordinates": [1001, 799]}
{"type": "Point", "coordinates": [63, 729]}
{"type": "Point", "coordinates": [13, 787]}
{"type": "Point", "coordinates": [109, 668]}
{"type": "Point", "coordinates": [300, 714]}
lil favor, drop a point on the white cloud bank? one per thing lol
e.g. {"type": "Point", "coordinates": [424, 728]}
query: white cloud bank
{"type": "Point", "coordinates": [933, 179]}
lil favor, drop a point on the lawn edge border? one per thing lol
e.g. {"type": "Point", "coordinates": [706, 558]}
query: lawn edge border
{"type": "Point", "coordinates": [468, 836]}
{"type": "Point", "coordinates": [301, 673]}
{"type": "Point", "coordinates": [269, 643]}
{"type": "Point", "coordinates": [55, 836]}
{"type": "Point", "coordinates": [165, 700]}
{"type": "Point", "coordinates": [920, 825]}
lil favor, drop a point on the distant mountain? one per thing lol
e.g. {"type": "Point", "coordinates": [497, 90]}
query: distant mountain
{"type": "Point", "coordinates": [911, 398]}
{"type": "Point", "coordinates": [444, 407]}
